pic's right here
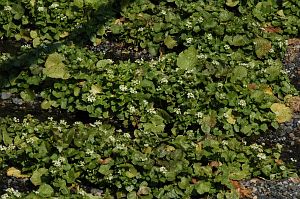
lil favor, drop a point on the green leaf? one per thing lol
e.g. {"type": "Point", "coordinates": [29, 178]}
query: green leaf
{"type": "Point", "coordinates": [36, 42]}
{"type": "Point", "coordinates": [45, 190]}
{"type": "Point", "coordinates": [239, 40]}
{"type": "Point", "coordinates": [33, 34]}
{"type": "Point", "coordinates": [36, 176]}
{"type": "Point", "coordinates": [170, 42]}
{"type": "Point", "coordinates": [184, 183]}
{"type": "Point", "coordinates": [46, 104]}
{"type": "Point", "coordinates": [262, 47]}
{"type": "Point", "coordinates": [103, 63]}
{"type": "Point", "coordinates": [55, 68]}
{"type": "Point", "coordinates": [95, 89]}
{"type": "Point", "coordinates": [187, 59]}
{"type": "Point", "coordinates": [105, 169]}
{"type": "Point", "coordinates": [76, 91]}
{"type": "Point", "coordinates": [232, 3]}
{"type": "Point", "coordinates": [239, 73]}
{"type": "Point", "coordinates": [203, 187]}
{"type": "Point", "coordinates": [27, 95]}
{"type": "Point", "coordinates": [6, 138]}
{"type": "Point", "coordinates": [131, 173]}
{"type": "Point", "coordinates": [78, 3]}
{"type": "Point", "coordinates": [273, 72]}
{"type": "Point", "coordinates": [132, 195]}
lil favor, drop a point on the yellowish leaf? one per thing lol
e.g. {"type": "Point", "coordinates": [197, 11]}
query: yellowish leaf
{"type": "Point", "coordinates": [268, 90]}
{"type": "Point", "coordinates": [13, 172]}
{"type": "Point", "coordinates": [282, 112]}
{"type": "Point", "coordinates": [229, 117]}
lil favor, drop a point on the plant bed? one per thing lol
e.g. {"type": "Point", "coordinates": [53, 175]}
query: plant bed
{"type": "Point", "coordinates": [182, 99]}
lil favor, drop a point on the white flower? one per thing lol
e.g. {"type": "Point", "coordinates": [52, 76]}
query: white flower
{"type": "Point", "coordinates": [123, 88]}
{"type": "Point", "coordinates": [209, 36]}
{"type": "Point", "coordinates": [5, 196]}
{"type": "Point", "coordinates": [16, 120]}
{"type": "Point", "coordinates": [145, 102]}
{"type": "Point", "coordinates": [177, 111]}
{"type": "Point", "coordinates": [190, 95]}
{"type": "Point", "coordinates": [91, 98]}
{"type": "Point", "coordinates": [132, 90]}
{"type": "Point", "coordinates": [214, 62]}
{"type": "Point", "coordinates": [81, 192]}
{"type": "Point", "coordinates": [56, 163]}
{"type": "Point", "coordinates": [242, 103]}
{"type": "Point", "coordinates": [164, 80]}
{"type": "Point", "coordinates": [63, 122]}
{"type": "Point", "coordinates": [225, 142]}
{"type": "Point", "coordinates": [222, 96]}
{"type": "Point", "coordinates": [189, 40]}
{"type": "Point", "coordinates": [200, 19]}
{"type": "Point", "coordinates": [226, 115]}
{"type": "Point", "coordinates": [81, 163]}
{"type": "Point", "coordinates": [127, 135]}
{"type": "Point", "coordinates": [261, 156]}
{"type": "Point", "coordinates": [151, 111]}
{"type": "Point", "coordinates": [189, 24]}
{"type": "Point", "coordinates": [3, 148]}
{"type": "Point", "coordinates": [41, 9]}
{"type": "Point", "coordinates": [30, 141]}
{"type": "Point", "coordinates": [202, 56]}
{"type": "Point", "coordinates": [111, 138]}
{"type": "Point", "coordinates": [79, 59]}
{"type": "Point", "coordinates": [163, 12]}
{"type": "Point", "coordinates": [220, 85]}
{"type": "Point", "coordinates": [50, 118]}
{"type": "Point", "coordinates": [132, 109]}
{"type": "Point", "coordinates": [7, 8]}
{"type": "Point", "coordinates": [199, 114]}
{"type": "Point", "coordinates": [163, 170]}
{"type": "Point", "coordinates": [89, 152]}
{"type": "Point", "coordinates": [54, 5]}
{"type": "Point", "coordinates": [98, 123]}
{"type": "Point", "coordinates": [136, 82]}
{"type": "Point", "coordinates": [226, 47]}
{"type": "Point", "coordinates": [140, 29]}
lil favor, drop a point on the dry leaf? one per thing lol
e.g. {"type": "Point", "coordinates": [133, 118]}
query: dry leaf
{"type": "Point", "coordinates": [294, 103]}
{"type": "Point", "coordinates": [105, 161]}
{"type": "Point", "coordinates": [279, 162]}
{"type": "Point", "coordinates": [242, 191]}
{"type": "Point", "coordinates": [271, 29]}
{"type": "Point", "coordinates": [194, 180]}
{"type": "Point", "coordinates": [215, 164]}
{"type": "Point", "coordinates": [252, 86]}
{"type": "Point", "coordinates": [13, 172]}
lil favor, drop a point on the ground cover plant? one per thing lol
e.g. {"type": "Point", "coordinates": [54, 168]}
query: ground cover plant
{"type": "Point", "coordinates": [172, 124]}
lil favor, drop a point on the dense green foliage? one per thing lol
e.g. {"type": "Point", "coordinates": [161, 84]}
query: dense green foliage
{"type": "Point", "coordinates": [171, 127]}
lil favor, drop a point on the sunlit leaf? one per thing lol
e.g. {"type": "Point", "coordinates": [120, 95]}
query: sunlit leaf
{"type": "Point", "coordinates": [230, 118]}
{"type": "Point", "coordinates": [232, 3]}
{"type": "Point", "coordinates": [262, 47]}
{"type": "Point", "coordinates": [282, 112]}
{"type": "Point", "coordinates": [170, 42]}
{"type": "Point", "coordinates": [187, 59]}
{"type": "Point", "coordinates": [36, 177]}
{"type": "Point", "coordinates": [55, 68]}
{"type": "Point", "coordinates": [14, 172]}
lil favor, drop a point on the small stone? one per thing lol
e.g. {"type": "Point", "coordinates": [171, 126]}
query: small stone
{"type": "Point", "coordinates": [5, 95]}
